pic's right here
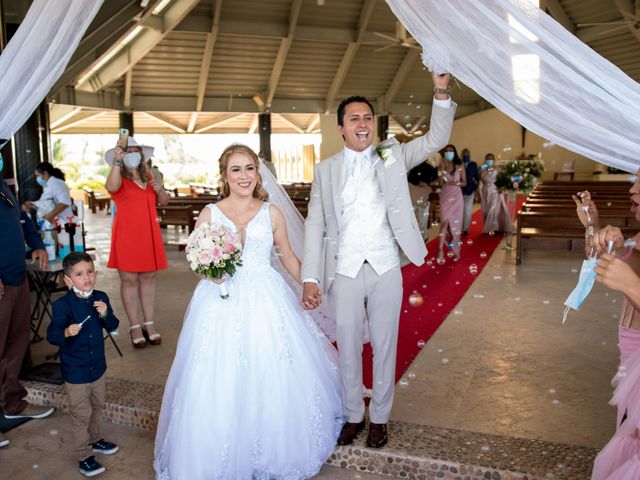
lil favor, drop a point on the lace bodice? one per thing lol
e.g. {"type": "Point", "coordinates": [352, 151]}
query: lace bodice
{"type": "Point", "coordinates": [258, 243]}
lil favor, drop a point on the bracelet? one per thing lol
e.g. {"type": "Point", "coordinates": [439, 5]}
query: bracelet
{"type": "Point", "coordinates": [443, 91]}
{"type": "Point", "coordinates": [118, 163]}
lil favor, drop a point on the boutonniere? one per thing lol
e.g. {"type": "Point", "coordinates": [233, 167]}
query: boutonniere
{"type": "Point", "coordinates": [384, 152]}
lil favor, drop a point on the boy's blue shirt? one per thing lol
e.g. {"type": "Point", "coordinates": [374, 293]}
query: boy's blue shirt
{"type": "Point", "coordinates": [82, 357]}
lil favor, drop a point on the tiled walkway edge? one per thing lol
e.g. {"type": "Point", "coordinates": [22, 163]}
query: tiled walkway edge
{"type": "Point", "coordinates": [414, 452]}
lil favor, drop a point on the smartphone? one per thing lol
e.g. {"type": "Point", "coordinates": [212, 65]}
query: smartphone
{"type": "Point", "coordinates": [123, 138]}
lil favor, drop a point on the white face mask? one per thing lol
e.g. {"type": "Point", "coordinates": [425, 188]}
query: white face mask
{"type": "Point", "coordinates": [132, 159]}
{"type": "Point", "coordinates": [82, 293]}
{"type": "Point", "coordinates": [77, 291]}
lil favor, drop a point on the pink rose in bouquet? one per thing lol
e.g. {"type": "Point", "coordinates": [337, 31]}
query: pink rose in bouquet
{"type": "Point", "coordinates": [214, 251]}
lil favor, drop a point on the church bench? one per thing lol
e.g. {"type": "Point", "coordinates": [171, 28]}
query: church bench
{"type": "Point", "coordinates": [177, 215]}
{"type": "Point", "coordinates": [564, 224]}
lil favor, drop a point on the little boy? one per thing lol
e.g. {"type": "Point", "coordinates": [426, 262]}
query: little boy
{"type": "Point", "coordinates": [76, 327]}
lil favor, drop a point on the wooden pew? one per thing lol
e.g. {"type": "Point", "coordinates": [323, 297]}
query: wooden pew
{"type": "Point", "coordinates": [550, 212]}
{"type": "Point", "coordinates": [179, 215]}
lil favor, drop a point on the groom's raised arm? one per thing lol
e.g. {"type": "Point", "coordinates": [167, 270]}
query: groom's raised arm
{"type": "Point", "coordinates": [417, 151]}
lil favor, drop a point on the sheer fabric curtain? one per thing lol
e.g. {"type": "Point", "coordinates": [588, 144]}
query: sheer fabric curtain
{"type": "Point", "coordinates": [531, 68]}
{"type": "Point", "coordinates": [37, 55]}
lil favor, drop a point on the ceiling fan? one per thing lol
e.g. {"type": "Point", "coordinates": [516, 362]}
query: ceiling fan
{"type": "Point", "coordinates": [401, 39]}
{"type": "Point", "coordinates": [629, 21]}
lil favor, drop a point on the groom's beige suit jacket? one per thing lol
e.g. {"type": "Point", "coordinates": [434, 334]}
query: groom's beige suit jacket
{"type": "Point", "coordinates": [322, 226]}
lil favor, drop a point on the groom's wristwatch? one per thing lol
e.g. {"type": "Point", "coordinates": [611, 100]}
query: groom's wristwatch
{"type": "Point", "coordinates": [443, 91]}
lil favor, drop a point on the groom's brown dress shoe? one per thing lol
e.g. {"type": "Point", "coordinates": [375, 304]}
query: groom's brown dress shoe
{"type": "Point", "coordinates": [377, 435]}
{"type": "Point", "coordinates": [349, 432]}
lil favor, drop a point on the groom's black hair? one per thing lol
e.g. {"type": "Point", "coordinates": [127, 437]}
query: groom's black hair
{"type": "Point", "coordinates": [347, 101]}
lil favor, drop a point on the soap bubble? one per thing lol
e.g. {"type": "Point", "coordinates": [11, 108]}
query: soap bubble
{"type": "Point", "coordinates": [420, 343]}
{"type": "Point", "coordinates": [473, 269]}
{"type": "Point", "coordinates": [469, 242]}
{"type": "Point", "coordinates": [416, 299]}
{"type": "Point", "coordinates": [483, 254]}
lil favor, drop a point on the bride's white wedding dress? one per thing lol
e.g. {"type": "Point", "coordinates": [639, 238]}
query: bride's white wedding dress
{"type": "Point", "coordinates": [253, 391]}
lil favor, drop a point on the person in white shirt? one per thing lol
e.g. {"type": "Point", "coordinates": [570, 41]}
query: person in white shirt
{"type": "Point", "coordinates": [360, 216]}
{"type": "Point", "coordinates": [55, 200]}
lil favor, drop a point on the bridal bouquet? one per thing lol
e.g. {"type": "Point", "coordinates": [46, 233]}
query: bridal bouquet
{"type": "Point", "coordinates": [214, 251]}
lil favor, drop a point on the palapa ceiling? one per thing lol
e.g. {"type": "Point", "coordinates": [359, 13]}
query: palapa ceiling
{"type": "Point", "coordinates": [211, 66]}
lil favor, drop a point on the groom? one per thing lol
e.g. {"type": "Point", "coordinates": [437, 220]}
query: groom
{"type": "Point", "coordinates": [360, 215]}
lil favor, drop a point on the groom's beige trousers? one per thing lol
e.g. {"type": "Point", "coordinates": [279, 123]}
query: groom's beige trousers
{"type": "Point", "coordinates": [383, 295]}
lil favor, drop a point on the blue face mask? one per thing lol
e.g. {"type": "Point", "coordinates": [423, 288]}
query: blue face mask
{"type": "Point", "coordinates": [489, 163]}
{"type": "Point", "coordinates": [41, 181]}
{"type": "Point", "coordinates": [466, 158]}
{"type": "Point", "coordinates": [449, 156]}
{"type": "Point", "coordinates": [585, 283]}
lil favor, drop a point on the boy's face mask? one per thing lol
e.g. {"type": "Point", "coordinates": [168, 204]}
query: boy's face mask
{"type": "Point", "coordinates": [585, 283]}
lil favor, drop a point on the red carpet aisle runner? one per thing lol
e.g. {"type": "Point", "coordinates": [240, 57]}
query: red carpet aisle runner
{"type": "Point", "coordinates": [442, 287]}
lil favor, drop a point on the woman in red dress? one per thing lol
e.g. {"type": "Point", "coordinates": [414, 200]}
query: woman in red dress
{"type": "Point", "coordinates": [137, 250]}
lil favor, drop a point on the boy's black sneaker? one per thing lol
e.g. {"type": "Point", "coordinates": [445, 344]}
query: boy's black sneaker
{"type": "Point", "coordinates": [104, 447]}
{"type": "Point", "coordinates": [89, 467]}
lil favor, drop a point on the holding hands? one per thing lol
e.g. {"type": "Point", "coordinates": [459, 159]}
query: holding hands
{"type": "Point", "coordinates": [311, 296]}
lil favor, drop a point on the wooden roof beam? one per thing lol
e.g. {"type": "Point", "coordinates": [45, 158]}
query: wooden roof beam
{"type": "Point", "coordinates": [166, 122]}
{"type": "Point", "coordinates": [212, 36]}
{"type": "Point", "coordinates": [217, 123]}
{"type": "Point", "coordinates": [293, 125]}
{"type": "Point", "coordinates": [408, 62]}
{"type": "Point", "coordinates": [124, 57]}
{"type": "Point", "coordinates": [349, 54]}
{"type": "Point", "coordinates": [283, 52]}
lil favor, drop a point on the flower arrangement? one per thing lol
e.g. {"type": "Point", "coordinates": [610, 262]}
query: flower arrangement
{"type": "Point", "coordinates": [519, 175]}
{"type": "Point", "coordinates": [214, 251]}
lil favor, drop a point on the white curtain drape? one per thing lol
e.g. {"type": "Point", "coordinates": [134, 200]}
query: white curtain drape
{"type": "Point", "coordinates": [37, 55]}
{"type": "Point", "coordinates": [530, 67]}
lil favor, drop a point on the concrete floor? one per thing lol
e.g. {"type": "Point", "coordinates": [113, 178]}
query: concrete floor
{"type": "Point", "coordinates": [503, 363]}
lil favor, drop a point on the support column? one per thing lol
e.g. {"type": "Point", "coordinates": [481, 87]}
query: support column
{"type": "Point", "coordinates": [383, 127]}
{"type": "Point", "coordinates": [264, 127]}
{"type": "Point", "coordinates": [30, 147]}
{"type": "Point", "coordinates": [126, 121]}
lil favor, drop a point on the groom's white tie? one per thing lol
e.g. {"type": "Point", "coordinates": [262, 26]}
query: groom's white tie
{"type": "Point", "coordinates": [360, 162]}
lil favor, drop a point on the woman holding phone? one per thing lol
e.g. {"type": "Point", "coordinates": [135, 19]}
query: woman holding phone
{"type": "Point", "coordinates": [137, 251]}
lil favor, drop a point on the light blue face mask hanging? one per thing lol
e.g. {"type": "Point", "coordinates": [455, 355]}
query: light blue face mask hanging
{"type": "Point", "coordinates": [585, 283]}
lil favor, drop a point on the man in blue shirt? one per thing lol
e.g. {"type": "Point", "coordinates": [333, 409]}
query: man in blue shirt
{"type": "Point", "coordinates": [469, 190]}
{"type": "Point", "coordinates": [15, 229]}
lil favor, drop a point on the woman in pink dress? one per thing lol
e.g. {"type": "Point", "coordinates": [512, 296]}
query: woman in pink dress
{"type": "Point", "coordinates": [619, 459]}
{"type": "Point", "coordinates": [451, 178]}
{"type": "Point", "coordinates": [495, 213]}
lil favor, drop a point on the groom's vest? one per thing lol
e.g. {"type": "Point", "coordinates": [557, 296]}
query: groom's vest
{"type": "Point", "coordinates": [365, 233]}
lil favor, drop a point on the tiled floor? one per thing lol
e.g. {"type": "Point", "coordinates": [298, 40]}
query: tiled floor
{"type": "Point", "coordinates": [502, 364]}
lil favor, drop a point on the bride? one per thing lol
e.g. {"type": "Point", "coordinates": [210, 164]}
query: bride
{"type": "Point", "coordinates": [253, 392]}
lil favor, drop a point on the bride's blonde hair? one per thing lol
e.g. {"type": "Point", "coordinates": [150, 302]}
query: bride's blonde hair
{"type": "Point", "coordinates": [259, 192]}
